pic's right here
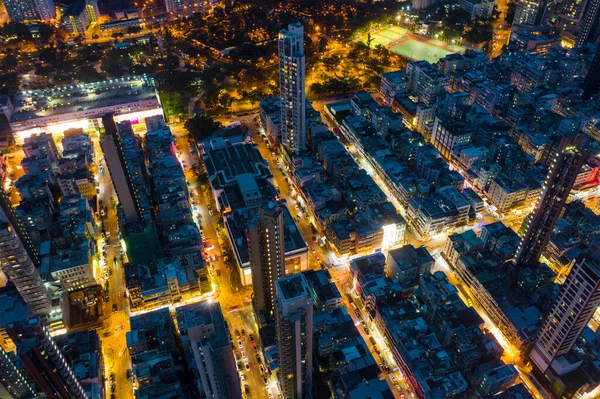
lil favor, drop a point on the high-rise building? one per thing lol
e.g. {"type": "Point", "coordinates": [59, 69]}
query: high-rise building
{"type": "Point", "coordinates": [589, 30]}
{"type": "Point", "coordinates": [530, 12]}
{"type": "Point", "coordinates": [80, 16]}
{"type": "Point", "coordinates": [19, 259]}
{"type": "Point", "coordinates": [205, 336]}
{"type": "Point", "coordinates": [43, 360]}
{"type": "Point", "coordinates": [30, 10]}
{"type": "Point", "coordinates": [13, 384]}
{"type": "Point", "coordinates": [294, 328]}
{"type": "Point", "coordinates": [591, 83]}
{"type": "Point", "coordinates": [291, 87]}
{"type": "Point", "coordinates": [563, 170]}
{"type": "Point", "coordinates": [118, 168]}
{"type": "Point", "coordinates": [572, 310]}
{"type": "Point", "coordinates": [266, 251]}
{"type": "Point", "coordinates": [571, 12]}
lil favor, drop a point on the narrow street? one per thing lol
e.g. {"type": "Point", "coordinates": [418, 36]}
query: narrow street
{"type": "Point", "coordinates": [113, 336]}
{"type": "Point", "coordinates": [235, 302]}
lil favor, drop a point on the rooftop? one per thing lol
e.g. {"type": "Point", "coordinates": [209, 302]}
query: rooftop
{"type": "Point", "coordinates": [33, 104]}
{"type": "Point", "coordinates": [292, 287]}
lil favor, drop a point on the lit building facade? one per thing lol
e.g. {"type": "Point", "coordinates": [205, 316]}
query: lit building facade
{"type": "Point", "coordinates": [267, 255]}
{"type": "Point", "coordinates": [44, 362]}
{"type": "Point", "coordinates": [80, 16]}
{"type": "Point", "coordinates": [530, 12]}
{"type": "Point", "coordinates": [574, 307]}
{"type": "Point", "coordinates": [12, 383]}
{"type": "Point", "coordinates": [564, 169]}
{"type": "Point", "coordinates": [19, 259]}
{"type": "Point", "coordinates": [291, 87]}
{"type": "Point", "coordinates": [294, 329]}
{"type": "Point", "coordinates": [30, 10]}
{"type": "Point", "coordinates": [589, 30]}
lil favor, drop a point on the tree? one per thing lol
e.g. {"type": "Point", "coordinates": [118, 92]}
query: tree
{"type": "Point", "coordinates": [201, 126]}
{"type": "Point", "coordinates": [369, 39]}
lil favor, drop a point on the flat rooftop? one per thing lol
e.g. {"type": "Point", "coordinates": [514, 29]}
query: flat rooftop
{"type": "Point", "coordinates": [32, 104]}
{"type": "Point", "coordinates": [204, 313]}
{"type": "Point", "coordinates": [292, 287]}
{"type": "Point", "coordinates": [226, 163]}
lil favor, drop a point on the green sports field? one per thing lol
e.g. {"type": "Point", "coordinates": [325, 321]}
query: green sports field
{"type": "Point", "coordinates": [417, 50]}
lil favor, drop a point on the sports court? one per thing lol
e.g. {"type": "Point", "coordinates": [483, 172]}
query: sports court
{"type": "Point", "coordinates": [398, 40]}
{"type": "Point", "coordinates": [417, 50]}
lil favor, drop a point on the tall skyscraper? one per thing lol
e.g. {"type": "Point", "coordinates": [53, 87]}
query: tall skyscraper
{"type": "Point", "coordinates": [530, 12]}
{"type": "Point", "coordinates": [205, 334]}
{"type": "Point", "coordinates": [30, 10]}
{"type": "Point", "coordinates": [291, 87]}
{"type": "Point", "coordinates": [591, 84]}
{"type": "Point", "coordinates": [294, 328]}
{"type": "Point", "coordinates": [267, 255]}
{"type": "Point", "coordinates": [13, 384]}
{"type": "Point", "coordinates": [563, 170]}
{"type": "Point", "coordinates": [43, 361]}
{"type": "Point", "coordinates": [572, 11]}
{"type": "Point", "coordinates": [19, 259]}
{"type": "Point", "coordinates": [112, 148]}
{"type": "Point", "coordinates": [574, 307]}
{"type": "Point", "coordinates": [589, 30]}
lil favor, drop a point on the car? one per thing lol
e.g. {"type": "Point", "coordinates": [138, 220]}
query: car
{"type": "Point", "coordinates": [314, 239]}
{"type": "Point", "coordinates": [239, 366]}
{"type": "Point", "coordinates": [112, 377]}
{"type": "Point", "coordinates": [247, 366]}
{"type": "Point", "coordinates": [242, 377]}
{"type": "Point", "coordinates": [237, 333]}
{"type": "Point", "coordinates": [128, 374]}
{"type": "Point", "coordinates": [251, 336]}
{"type": "Point", "coordinates": [313, 249]}
{"type": "Point", "coordinates": [243, 331]}
{"type": "Point", "coordinates": [258, 358]}
{"type": "Point", "coordinates": [210, 213]}
{"type": "Point", "coordinates": [113, 387]}
{"type": "Point", "coordinates": [240, 344]}
{"type": "Point", "coordinates": [261, 368]}
{"type": "Point", "coordinates": [247, 389]}
{"type": "Point", "coordinates": [115, 307]}
{"type": "Point", "coordinates": [393, 377]}
{"type": "Point", "coordinates": [265, 380]}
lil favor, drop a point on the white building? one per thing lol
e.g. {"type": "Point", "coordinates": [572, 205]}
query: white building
{"type": "Point", "coordinates": [572, 310]}
{"type": "Point", "coordinates": [291, 87]}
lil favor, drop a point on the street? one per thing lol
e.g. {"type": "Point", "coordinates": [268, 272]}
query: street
{"type": "Point", "coordinates": [113, 336]}
{"type": "Point", "coordinates": [235, 302]}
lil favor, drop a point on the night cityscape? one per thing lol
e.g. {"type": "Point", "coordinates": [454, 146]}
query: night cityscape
{"type": "Point", "coordinates": [334, 199]}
